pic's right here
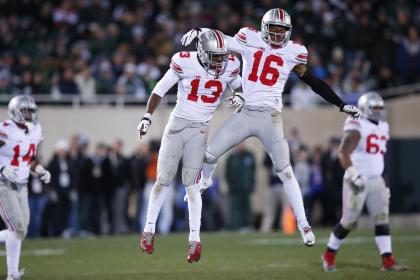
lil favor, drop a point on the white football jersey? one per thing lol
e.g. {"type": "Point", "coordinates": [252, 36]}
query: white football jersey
{"type": "Point", "coordinates": [199, 93]}
{"type": "Point", "coordinates": [368, 157]}
{"type": "Point", "coordinates": [20, 147]}
{"type": "Point", "coordinates": [265, 69]}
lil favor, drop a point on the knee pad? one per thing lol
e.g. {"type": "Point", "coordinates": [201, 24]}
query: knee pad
{"type": "Point", "coordinates": [381, 230]}
{"type": "Point", "coordinates": [163, 180]}
{"type": "Point", "coordinates": [209, 157]}
{"type": "Point", "coordinates": [190, 175]}
{"type": "Point", "coordinates": [341, 232]}
{"type": "Point", "coordinates": [286, 174]}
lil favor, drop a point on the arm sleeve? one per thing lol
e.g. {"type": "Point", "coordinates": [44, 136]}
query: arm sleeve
{"type": "Point", "coordinates": [168, 80]}
{"type": "Point", "coordinates": [321, 88]}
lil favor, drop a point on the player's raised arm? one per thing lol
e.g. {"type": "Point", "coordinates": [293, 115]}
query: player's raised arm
{"type": "Point", "coordinates": [233, 43]}
{"type": "Point", "coordinates": [170, 78]}
{"type": "Point", "coordinates": [325, 91]}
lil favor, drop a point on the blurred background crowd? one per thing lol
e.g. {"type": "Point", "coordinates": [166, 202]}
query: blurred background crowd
{"type": "Point", "coordinates": [106, 192]}
{"type": "Point", "coordinates": [95, 47]}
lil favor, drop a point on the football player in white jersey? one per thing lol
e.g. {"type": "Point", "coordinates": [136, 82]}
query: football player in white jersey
{"type": "Point", "coordinates": [361, 154]}
{"type": "Point", "coordinates": [19, 139]}
{"type": "Point", "coordinates": [268, 58]}
{"type": "Point", "coordinates": [202, 77]}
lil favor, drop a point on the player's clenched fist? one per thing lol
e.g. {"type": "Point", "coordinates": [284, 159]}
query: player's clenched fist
{"type": "Point", "coordinates": [9, 173]}
{"type": "Point", "coordinates": [352, 111]}
{"type": "Point", "coordinates": [43, 174]}
{"type": "Point", "coordinates": [237, 101]}
{"type": "Point", "coordinates": [144, 124]}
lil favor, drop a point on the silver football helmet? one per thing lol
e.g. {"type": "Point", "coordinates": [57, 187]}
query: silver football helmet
{"type": "Point", "coordinates": [212, 52]}
{"type": "Point", "coordinates": [276, 17]}
{"type": "Point", "coordinates": [22, 109]}
{"type": "Point", "coordinates": [372, 106]}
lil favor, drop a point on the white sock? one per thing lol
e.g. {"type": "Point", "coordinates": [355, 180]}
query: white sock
{"type": "Point", "coordinates": [292, 189]}
{"type": "Point", "coordinates": [384, 243]}
{"type": "Point", "coordinates": [194, 211]}
{"type": "Point", "coordinates": [156, 199]}
{"type": "Point", "coordinates": [13, 245]}
{"type": "Point", "coordinates": [3, 235]}
{"type": "Point", "coordinates": [207, 171]}
{"type": "Point", "coordinates": [334, 242]}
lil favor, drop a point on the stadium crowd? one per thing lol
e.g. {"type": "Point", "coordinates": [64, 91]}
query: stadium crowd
{"type": "Point", "coordinates": [106, 192]}
{"type": "Point", "coordinates": [94, 47]}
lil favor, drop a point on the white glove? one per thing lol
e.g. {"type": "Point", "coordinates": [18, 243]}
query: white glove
{"type": "Point", "coordinates": [237, 101]}
{"type": "Point", "coordinates": [144, 124]}
{"type": "Point", "coordinates": [43, 174]}
{"type": "Point", "coordinates": [351, 110]}
{"type": "Point", "coordinates": [9, 173]}
{"type": "Point", "coordinates": [191, 35]}
{"type": "Point", "coordinates": [357, 181]}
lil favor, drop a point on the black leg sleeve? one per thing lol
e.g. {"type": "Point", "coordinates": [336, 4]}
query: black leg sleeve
{"type": "Point", "coordinates": [321, 88]}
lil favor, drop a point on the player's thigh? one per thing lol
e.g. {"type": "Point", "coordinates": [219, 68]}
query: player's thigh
{"type": "Point", "coordinates": [377, 200]}
{"type": "Point", "coordinates": [233, 131]}
{"type": "Point", "coordinates": [193, 154]}
{"type": "Point", "coordinates": [352, 205]}
{"type": "Point", "coordinates": [170, 153]}
{"type": "Point", "coordinates": [10, 209]}
{"type": "Point", "coordinates": [24, 205]}
{"type": "Point", "coordinates": [272, 137]}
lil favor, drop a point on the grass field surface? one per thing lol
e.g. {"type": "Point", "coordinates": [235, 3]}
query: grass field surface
{"type": "Point", "coordinates": [225, 256]}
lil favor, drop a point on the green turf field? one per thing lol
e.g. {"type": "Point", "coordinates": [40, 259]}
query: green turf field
{"type": "Point", "coordinates": [225, 256]}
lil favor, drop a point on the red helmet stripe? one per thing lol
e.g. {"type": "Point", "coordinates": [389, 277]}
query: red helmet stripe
{"type": "Point", "coordinates": [281, 14]}
{"type": "Point", "coordinates": [219, 38]}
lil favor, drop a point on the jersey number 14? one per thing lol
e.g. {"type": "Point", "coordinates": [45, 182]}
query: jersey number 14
{"type": "Point", "coordinates": [28, 157]}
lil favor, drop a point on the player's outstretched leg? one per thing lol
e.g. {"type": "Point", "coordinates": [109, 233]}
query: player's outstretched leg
{"type": "Point", "coordinates": [194, 213]}
{"type": "Point", "coordinates": [334, 242]}
{"type": "Point", "coordinates": [292, 189]}
{"type": "Point", "coordinates": [156, 199]}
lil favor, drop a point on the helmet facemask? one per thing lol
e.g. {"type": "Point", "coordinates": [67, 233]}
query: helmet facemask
{"type": "Point", "coordinates": [376, 112]}
{"type": "Point", "coordinates": [213, 59]}
{"type": "Point", "coordinates": [277, 35]}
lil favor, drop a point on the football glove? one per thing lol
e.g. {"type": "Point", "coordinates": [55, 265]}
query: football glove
{"type": "Point", "coordinates": [43, 174]}
{"type": "Point", "coordinates": [237, 101]}
{"type": "Point", "coordinates": [9, 173]}
{"type": "Point", "coordinates": [357, 181]}
{"type": "Point", "coordinates": [352, 111]}
{"type": "Point", "coordinates": [144, 124]}
{"type": "Point", "coordinates": [191, 35]}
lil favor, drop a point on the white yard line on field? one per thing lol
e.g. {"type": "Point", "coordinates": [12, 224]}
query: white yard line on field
{"type": "Point", "coordinates": [351, 240]}
{"type": "Point", "coordinates": [39, 252]}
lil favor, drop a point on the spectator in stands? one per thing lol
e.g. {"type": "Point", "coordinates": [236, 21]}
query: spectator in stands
{"type": "Point", "coordinates": [60, 188]}
{"type": "Point", "coordinates": [408, 56]}
{"type": "Point", "coordinates": [332, 173]}
{"type": "Point", "coordinates": [66, 84]}
{"type": "Point", "coordinates": [275, 201]}
{"type": "Point", "coordinates": [85, 82]}
{"type": "Point", "coordinates": [121, 175]}
{"type": "Point", "coordinates": [131, 84]}
{"type": "Point", "coordinates": [138, 164]}
{"type": "Point", "coordinates": [37, 200]}
{"type": "Point", "coordinates": [240, 177]}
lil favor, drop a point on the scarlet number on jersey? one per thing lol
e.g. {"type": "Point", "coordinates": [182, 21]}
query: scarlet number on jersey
{"type": "Point", "coordinates": [372, 144]}
{"type": "Point", "coordinates": [184, 54]}
{"type": "Point", "coordinates": [218, 88]}
{"type": "Point", "coordinates": [269, 75]}
{"type": "Point", "coordinates": [28, 157]}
